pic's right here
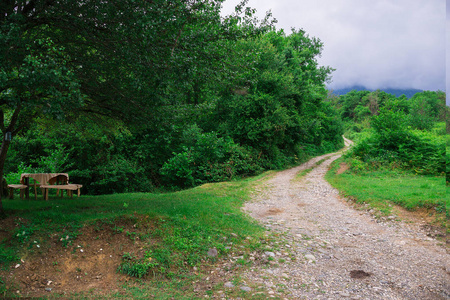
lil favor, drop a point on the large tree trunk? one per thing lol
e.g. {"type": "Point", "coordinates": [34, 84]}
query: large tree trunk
{"type": "Point", "coordinates": [5, 142]}
{"type": "Point", "coordinates": [3, 152]}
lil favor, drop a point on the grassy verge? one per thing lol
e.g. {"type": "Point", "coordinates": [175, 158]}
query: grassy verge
{"type": "Point", "coordinates": [384, 187]}
{"type": "Point", "coordinates": [175, 231]}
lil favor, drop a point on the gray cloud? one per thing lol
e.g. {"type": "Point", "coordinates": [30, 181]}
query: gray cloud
{"type": "Point", "coordinates": [382, 43]}
{"type": "Point", "coordinates": [447, 53]}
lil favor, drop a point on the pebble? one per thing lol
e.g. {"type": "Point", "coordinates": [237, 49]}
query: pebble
{"type": "Point", "coordinates": [268, 253]}
{"type": "Point", "coordinates": [212, 252]}
{"type": "Point", "coordinates": [229, 284]}
{"type": "Point", "coordinates": [310, 257]}
{"type": "Point", "coordinates": [246, 288]}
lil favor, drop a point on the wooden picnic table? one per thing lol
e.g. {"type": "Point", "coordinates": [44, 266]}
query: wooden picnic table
{"type": "Point", "coordinates": [46, 181]}
{"type": "Point", "coordinates": [42, 178]}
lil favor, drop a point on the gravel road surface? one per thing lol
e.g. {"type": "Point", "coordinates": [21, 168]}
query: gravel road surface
{"type": "Point", "coordinates": [330, 250]}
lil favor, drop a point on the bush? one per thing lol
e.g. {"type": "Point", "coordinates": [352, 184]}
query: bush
{"type": "Point", "coordinates": [392, 144]}
{"type": "Point", "coordinates": [208, 158]}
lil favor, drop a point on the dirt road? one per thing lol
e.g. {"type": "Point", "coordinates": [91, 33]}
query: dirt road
{"type": "Point", "coordinates": [330, 250]}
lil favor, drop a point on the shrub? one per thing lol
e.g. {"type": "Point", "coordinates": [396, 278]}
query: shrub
{"type": "Point", "coordinates": [208, 158]}
{"type": "Point", "coordinates": [393, 145]}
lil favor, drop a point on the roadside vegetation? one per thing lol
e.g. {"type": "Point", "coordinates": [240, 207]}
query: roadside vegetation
{"type": "Point", "coordinates": [399, 153]}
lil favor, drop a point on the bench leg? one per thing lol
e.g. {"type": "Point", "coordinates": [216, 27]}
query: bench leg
{"type": "Point", "coordinates": [45, 194]}
{"type": "Point", "coordinates": [22, 192]}
{"type": "Point", "coordinates": [79, 192]}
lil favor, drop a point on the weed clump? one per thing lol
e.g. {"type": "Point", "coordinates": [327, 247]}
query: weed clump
{"type": "Point", "coordinates": [134, 267]}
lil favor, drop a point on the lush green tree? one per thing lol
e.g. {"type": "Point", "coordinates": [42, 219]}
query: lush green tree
{"type": "Point", "coordinates": [426, 108]}
{"type": "Point", "coordinates": [348, 103]}
{"type": "Point", "coordinates": [276, 109]}
{"type": "Point", "coordinates": [115, 59]}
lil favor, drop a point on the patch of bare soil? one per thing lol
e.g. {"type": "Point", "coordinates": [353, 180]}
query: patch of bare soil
{"type": "Point", "coordinates": [89, 264]}
{"type": "Point", "coordinates": [426, 220]}
{"type": "Point", "coordinates": [7, 226]}
{"type": "Point", "coordinates": [273, 211]}
{"type": "Point", "coordinates": [358, 274]}
{"type": "Point", "coordinates": [342, 168]}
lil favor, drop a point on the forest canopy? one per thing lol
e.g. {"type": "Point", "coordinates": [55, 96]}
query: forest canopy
{"type": "Point", "coordinates": [136, 95]}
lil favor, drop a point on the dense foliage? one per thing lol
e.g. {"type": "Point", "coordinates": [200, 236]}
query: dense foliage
{"type": "Point", "coordinates": [395, 132]}
{"type": "Point", "coordinates": [159, 94]}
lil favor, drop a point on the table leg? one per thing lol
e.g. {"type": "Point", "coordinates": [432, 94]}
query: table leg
{"type": "Point", "coordinates": [27, 191]}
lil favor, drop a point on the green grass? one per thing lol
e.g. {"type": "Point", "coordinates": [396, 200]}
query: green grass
{"type": "Point", "coordinates": [184, 225]}
{"type": "Point", "coordinates": [379, 188]}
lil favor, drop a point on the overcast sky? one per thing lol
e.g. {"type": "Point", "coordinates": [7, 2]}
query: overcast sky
{"type": "Point", "coordinates": [375, 43]}
{"type": "Point", "coordinates": [448, 50]}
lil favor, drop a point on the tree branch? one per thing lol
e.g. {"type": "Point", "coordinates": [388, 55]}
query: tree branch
{"type": "Point", "coordinates": [14, 118]}
{"type": "Point", "coordinates": [25, 123]}
{"type": "Point", "coordinates": [2, 121]}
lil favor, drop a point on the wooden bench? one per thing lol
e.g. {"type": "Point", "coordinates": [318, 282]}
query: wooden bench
{"type": "Point", "coordinates": [21, 187]}
{"type": "Point", "coordinates": [58, 181]}
{"type": "Point", "coordinates": [61, 187]}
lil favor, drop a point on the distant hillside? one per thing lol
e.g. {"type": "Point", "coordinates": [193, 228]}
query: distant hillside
{"type": "Point", "coordinates": [397, 92]}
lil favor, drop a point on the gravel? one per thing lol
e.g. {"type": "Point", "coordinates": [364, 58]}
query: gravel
{"type": "Point", "coordinates": [333, 251]}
